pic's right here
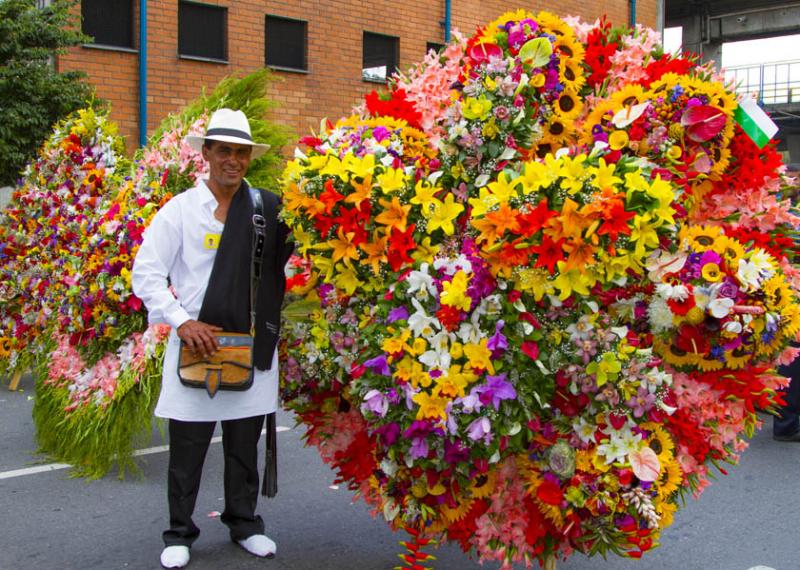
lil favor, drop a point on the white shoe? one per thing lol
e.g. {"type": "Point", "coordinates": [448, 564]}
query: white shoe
{"type": "Point", "coordinates": [259, 545]}
{"type": "Point", "coordinates": [175, 556]}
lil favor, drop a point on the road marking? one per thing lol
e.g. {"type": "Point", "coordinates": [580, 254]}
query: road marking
{"type": "Point", "coordinates": [138, 453]}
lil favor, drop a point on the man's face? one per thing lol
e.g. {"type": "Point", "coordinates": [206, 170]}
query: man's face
{"type": "Point", "coordinates": [228, 163]}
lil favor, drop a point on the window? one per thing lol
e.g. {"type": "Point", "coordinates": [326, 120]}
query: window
{"type": "Point", "coordinates": [381, 55]}
{"type": "Point", "coordinates": [202, 31]}
{"type": "Point", "coordinates": [433, 46]}
{"type": "Point", "coordinates": [109, 22]}
{"type": "Point", "coordinates": [285, 43]}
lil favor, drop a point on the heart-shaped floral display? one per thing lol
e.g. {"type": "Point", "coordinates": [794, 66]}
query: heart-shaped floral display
{"type": "Point", "coordinates": [526, 316]}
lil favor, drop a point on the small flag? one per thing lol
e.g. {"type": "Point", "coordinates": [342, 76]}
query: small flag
{"type": "Point", "coordinates": [755, 122]}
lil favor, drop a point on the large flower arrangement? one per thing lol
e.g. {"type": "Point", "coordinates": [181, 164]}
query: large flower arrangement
{"type": "Point", "coordinates": [527, 316]}
{"type": "Point", "coordinates": [43, 231]}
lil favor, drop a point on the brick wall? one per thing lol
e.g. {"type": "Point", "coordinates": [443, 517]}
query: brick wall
{"type": "Point", "coordinates": [335, 27]}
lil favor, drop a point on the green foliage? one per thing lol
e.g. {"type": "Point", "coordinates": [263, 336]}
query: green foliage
{"type": "Point", "coordinates": [247, 94]}
{"type": "Point", "coordinates": [93, 439]}
{"type": "Point", "coordinates": [33, 96]}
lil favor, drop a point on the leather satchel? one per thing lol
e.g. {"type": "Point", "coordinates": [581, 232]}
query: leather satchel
{"type": "Point", "coordinates": [231, 367]}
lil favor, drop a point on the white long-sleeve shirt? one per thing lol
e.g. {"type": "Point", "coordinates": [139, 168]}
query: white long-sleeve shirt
{"type": "Point", "coordinates": [178, 249]}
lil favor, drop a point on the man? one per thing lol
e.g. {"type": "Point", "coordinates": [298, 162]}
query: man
{"type": "Point", "coordinates": [200, 244]}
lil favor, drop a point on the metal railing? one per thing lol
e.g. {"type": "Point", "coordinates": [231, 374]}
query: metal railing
{"type": "Point", "coordinates": [772, 83]}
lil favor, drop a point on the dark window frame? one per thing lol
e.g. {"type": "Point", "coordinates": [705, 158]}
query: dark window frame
{"type": "Point", "coordinates": [435, 46]}
{"type": "Point", "coordinates": [108, 43]}
{"type": "Point", "coordinates": [183, 50]}
{"type": "Point", "coordinates": [278, 66]}
{"type": "Point", "coordinates": [393, 62]}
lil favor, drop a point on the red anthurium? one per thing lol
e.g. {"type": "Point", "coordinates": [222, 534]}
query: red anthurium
{"type": "Point", "coordinates": [703, 122]}
{"type": "Point", "coordinates": [481, 53]}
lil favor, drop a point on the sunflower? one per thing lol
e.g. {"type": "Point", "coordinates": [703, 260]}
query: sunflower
{"type": "Point", "coordinates": [729, 248]}
{"type": "Point", "coordinates": [700, 238]}
{"type": "Point", "coordinates": [660, 442]}
{"type": "Point", "coordinates": [778, 292]}
{"type": "Point", "coordinates": [570, 74]}
{"type": "Point", "coordinates": [453, 514]}
{"type": "Point", "coordinates": [552, 24]}
{"type": "Point", "coordinates": [558, 130]}
{"type": "Point", "coordinates": [675, 355]}
{"type": "Point", "coordinates": [707, 364]}
{"type": "Point", "coordinates": [569, 48]}
{"type": "Point", "coordinates": [356, 121]}
{"type": "Point", "coordinates": [415, 144]}
{"type": "Point", "coordinates": [600, 115]}
{"type": "Point", "coordinates": [738, 357]}
{"type": "Point", "coordinates": [666, 511]}
{"type": "Point", "coordinates": [670, 478]}
{"type": "Point", "coordinates": [790, 320]}
{"type": "Point", "coordinates": [482, 485]}
{"type": "Point", "coordinates": [569, 105]}
{"type": "Point", "coordinates": [630, 95]}
{"type": "Point", "coordinates": [489, 33]}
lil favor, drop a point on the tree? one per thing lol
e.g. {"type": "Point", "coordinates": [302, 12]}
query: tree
{"type": "Point", "coordinates": [33, 95]}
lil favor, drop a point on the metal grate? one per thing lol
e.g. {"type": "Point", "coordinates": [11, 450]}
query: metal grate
{"type": "Point", "coordinates": [285, 43]}
{"type": "Point", "coordinates": [109, 22]}
{"type": "Point", "coordinates": [202, 31]}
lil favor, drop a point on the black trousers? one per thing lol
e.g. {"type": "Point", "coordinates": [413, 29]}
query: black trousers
{"type": "Point", "coordinates": [787, 423]}
{"type": "Point", "coordinates": [188, 444]}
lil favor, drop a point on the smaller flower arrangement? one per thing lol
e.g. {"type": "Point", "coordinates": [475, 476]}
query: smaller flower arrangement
{"type": "Point", "coordinates": [718, 305]}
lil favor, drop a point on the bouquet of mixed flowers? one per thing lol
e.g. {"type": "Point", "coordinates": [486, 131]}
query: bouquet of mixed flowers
{"type": "Point", "coordinates": [43, 232]}
{"type": "Point", "coordinates": [526, 317]}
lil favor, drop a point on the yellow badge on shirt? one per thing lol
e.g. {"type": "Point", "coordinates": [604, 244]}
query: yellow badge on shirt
{"type": "Point", "coordinates": [211, 241]}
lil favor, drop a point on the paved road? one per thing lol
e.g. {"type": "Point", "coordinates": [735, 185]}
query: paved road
{"type": "Point", "coordinates": [52, 521]}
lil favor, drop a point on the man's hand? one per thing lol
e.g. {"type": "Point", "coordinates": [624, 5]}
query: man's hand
{"type": "Point", "coordinates": [199, 337]}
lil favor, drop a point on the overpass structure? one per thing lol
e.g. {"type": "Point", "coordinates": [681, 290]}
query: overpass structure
{"type": "Point", "coordinates": [707, 24]}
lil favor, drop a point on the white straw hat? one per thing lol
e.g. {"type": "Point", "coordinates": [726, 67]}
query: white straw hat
{"type": "Point", "coordinates": [230, 126]}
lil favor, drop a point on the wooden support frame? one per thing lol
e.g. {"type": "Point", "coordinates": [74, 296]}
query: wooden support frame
{"type": "Point", "coordinates": [14, 384]}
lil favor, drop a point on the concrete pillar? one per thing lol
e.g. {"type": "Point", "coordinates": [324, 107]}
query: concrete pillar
{"type": "Point", "coordinates": [793, 145]}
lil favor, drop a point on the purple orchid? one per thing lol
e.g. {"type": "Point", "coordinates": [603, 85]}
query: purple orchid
{"type": "Point", "coordinates": [397, 314]}
{"type": "Point", "coordinates": [496, 389]}
{"type": "Point", "coordinates": [379, 365]}
{"type": "Point", "coordinates": [480, 428]}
